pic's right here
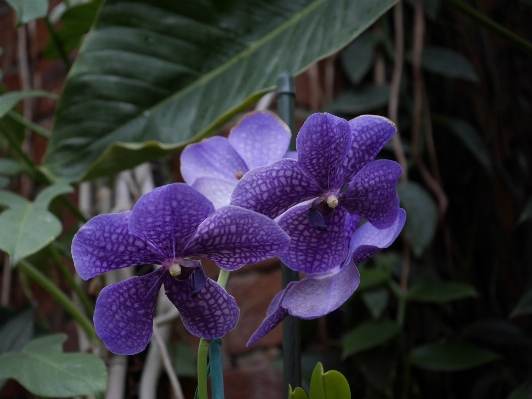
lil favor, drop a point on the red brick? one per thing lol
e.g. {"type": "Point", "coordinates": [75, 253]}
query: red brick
{"type": "Point", "coordinates": [253, 383]}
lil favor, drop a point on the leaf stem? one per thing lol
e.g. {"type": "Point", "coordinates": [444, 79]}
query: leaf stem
{"type": "Point", "coordinates": [34, 127]}
{"type": "Point", "coordinates": [86, 303]}
{"type": "Point", "coordinates": [203, 351]}
{"type": "Point", "coordinates": [50, 287]}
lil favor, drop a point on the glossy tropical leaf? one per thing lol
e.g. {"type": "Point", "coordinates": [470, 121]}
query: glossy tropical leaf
{"type": "Point", "coordinates": [422, 215]}
{"type": "Point", "coordinates": [9, 100]}
{"type": "Point", "coordinates": [28, 10]}
{"type": "Point", "coordinates": [30, 225]}
{"type": "Point", "coordinates": [440, 292]}
{"type": "Point", "coordinates": [45, 370]}
{"type": "Point", "coordinates": [369, 335]}
{"type": "Point", "coordinates": [450, 357]}
{"type": "Point", "coordinates": [154, 75]}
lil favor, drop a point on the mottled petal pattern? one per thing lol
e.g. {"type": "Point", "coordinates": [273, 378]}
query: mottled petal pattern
{"type": "Point", "coordinates": [271, 190]}
{"type": "Point", "coordinates": [322, 144]}
{"type": "Point", "coordinates": [372, 193]}
{"type": "Point", "coordinates": [211, 314]}
{"type": "Point", "coordinates": [315, 297]}
{"type": "Point", "coordinates": [311, 250]}
{"type": "Point", "coordinates": [123, 317]}
{"type": "Point", "coordinates": [351, 223]}
{"type": "Point", "coordinates": [234, 236]}
{"type": "Point", "coordinates": [276, 314]}
{"type": "Point", "coordinates": [104, 243]}
{"type": "Point", "coordinates": [260, 138]}
{"type": "Point", "coordinates": [369, 133]}
{"type": "Point", "coordinates": [216, 190]}
{"type": "Point", "coordinates": [212, 157]}
{"type": "Point", "coordinates": [368, 240]}
{"type": "Point", "coordinates": [168, 216]}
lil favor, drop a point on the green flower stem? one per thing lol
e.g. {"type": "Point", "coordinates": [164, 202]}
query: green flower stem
{"type": "Point", "coordinates": [491, 25]}
{"type": "Point", "coordinates": [203, 349]}
{"type": "Point", "coordinates": [30, 125]}
{"type": "Point", "coordinates": [50, 287]}
{"type": "Point", "coordinates": [85, 302]}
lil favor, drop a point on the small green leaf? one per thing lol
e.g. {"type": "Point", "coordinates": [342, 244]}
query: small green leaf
{"type": "Point", "coordinates": [371, 278]}
{"type": "Point", "coordinates": [440, 292]}
{"type": "Point", "coordinates": [335, 385]}
{"type": "Point", "coordinates": [469, 137]}
{"type": "Point", "coordinates": [524, 306]}
{"type": "Point", "coordinates": [17, 332]}
{"type": "Point", "coordinates": [448, 63]}
{"type": "Point", "coordinates": [357, 102]}
{"type": "Point", "coordinates": [369, 335]}
{"type": "Point", "coordinates": [31, 225]}
{"type": "Point", "coordinates": [28, 10]}
{"type": "Point", "coordinates": [298, 393]}
{"type": "Point", "coordinates": [75, 23]}
{"type": "Point", "coordinates": [422, 214]}
{"type": "Point", "coordinates": [10, 167]}
{"type": "Point", "coordinates": [376, 301]}
{"type": "Point", "coordinates": [44, 370]}
{"type": "Point", "coordinates": [450, 357]}
{"type": "Point", "coordinates": [358, 56]}
{"type": "Point", "coordinates": [316, 383]}
{"type": "Point", "coordinates": [9, 100]}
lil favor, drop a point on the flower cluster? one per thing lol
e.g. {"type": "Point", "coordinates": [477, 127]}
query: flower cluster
{"type": "Point", "coordinates": [247, 200]}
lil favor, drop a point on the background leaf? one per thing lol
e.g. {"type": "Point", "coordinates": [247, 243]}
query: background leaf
{"type": "Point", "coordinates": [44, 370]}
{"type": "Point", "coordinates": [422, 215]}
{"type": "Point", "coordinates": [369, 335]}
{"type": "Point", "coordinates": [31, 225]}
{"type": "Point", "coordinates": [440, 292]}
{"type": "Point", "coordinates": [16, 332]}
{"type": "Point", "coordinates": [447, 62]}
{"type": "Point", "coordinates": [524, 306]}
{"type": "Point", "coordinates": [358, 56]}
{"type": "Point", "coordinates": [356, 102]}
{"type": "Point", "coordinates": [10, 167]}
{"type": "Point", "coordinates": [9, 100]}
{"type": "Point", "coordinates": [180, 70]}
{"type": "Point", "coordinates": [28, 10]}
{"type": "Point", "coordinates": [450, 357]}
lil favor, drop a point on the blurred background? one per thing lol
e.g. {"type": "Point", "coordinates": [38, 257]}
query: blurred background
{"type": "Point", "coordinates": [443, 313]}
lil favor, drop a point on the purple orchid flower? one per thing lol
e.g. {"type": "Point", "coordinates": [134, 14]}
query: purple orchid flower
{"type": "Point", "coordinates": [321, 293]}
{"type": "Point", "coordinates": [335, 169]}
{"type": "Point", "coordinates": [214, 166]}
{"type": "Point", "coordinates": [167, 227]}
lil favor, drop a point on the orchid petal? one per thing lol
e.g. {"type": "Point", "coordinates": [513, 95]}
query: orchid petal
{"type": "Point", "coordinates": [372, 193]}
{"type": "Point", "coordinates": [260, 138]}
{"type": "Point", "coordinates": [104, 243]}
{"type": "Point", "coordinates": [209, 314]}
{"type": "Point", "coordinates": [369, 133]}
{"type": "Point", "coordinates": [234, 236]}
{"type": "Point", "coordinates": [291, 155]}
{"type": "Point", "coordinates": [213, 157]}
{"type": "Point", "coordinates": [276, 314]}
{"type": "Point", "coordinates": [315, 297]}
{"type": "Point", "coordinates": [123, 317]}
{"type": "Point", "coordinates": [322, 144]}
{"type": "Point", "coordinates": [351, 223]}
{"type": "Point", "coordinates": [312, 250]}
{"type": "Point", "coordinates": [272, 189]}
{"type": "Point", "coordinates": [168, 216]}
{"type": "Point", "coordinates": [368, 240]}
{"type": "Point", "coordinates": [218, 191]}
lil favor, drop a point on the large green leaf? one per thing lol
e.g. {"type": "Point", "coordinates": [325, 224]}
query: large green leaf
{"type": "Point", "coordinates": [44, 370]}
{"type": "Point", "coordinates": [27, 227]}
{"type": "Point", "coordinates": [450, 356]}
{"type": "Point", "coordinates": [154, 75]}
{"type": "Point", "coordinates": [369, 335]}
{"type": "Point", "coordinates": [440, 292]}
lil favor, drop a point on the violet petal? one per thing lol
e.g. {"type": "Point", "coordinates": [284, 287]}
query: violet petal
{"type": "Point", "coordinates": [210, 314]}
{"type": "Point", "coordinates": [368, 240]}
{"type": "Point", "coordinates": [322, 144]}
{"type": "Point", "coordinates": [104, 243]}
{"type": "Point", "coordinates": [213, 157]}
{"type": "Point", "coordinates": [351, 223]}
{"type": "Point", "coordinates": [369, 133]}
{"type": "Point", "coordinates": [260, 138]}
{"type": "Point", "coordinates": [316, 220]}
{"type": "Point", "coordinates": [197, 281]}
{"type": "Point", "coordinates": [311, 250]}
{"type": "Point", "coordinates": [123, 317]}
{"type": "Point", "coordinates": [216, 190]}
{"type": "Point", "coordinates": [372, 193]}
{"type": "Point", "coordinates": [272, 189]}
{"type": "Point", "coordinates": [315, 297]}
{"type": "Point", "coordinates": [168, 216]}
{"type": "Point", "coordinates": [234, 236]}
